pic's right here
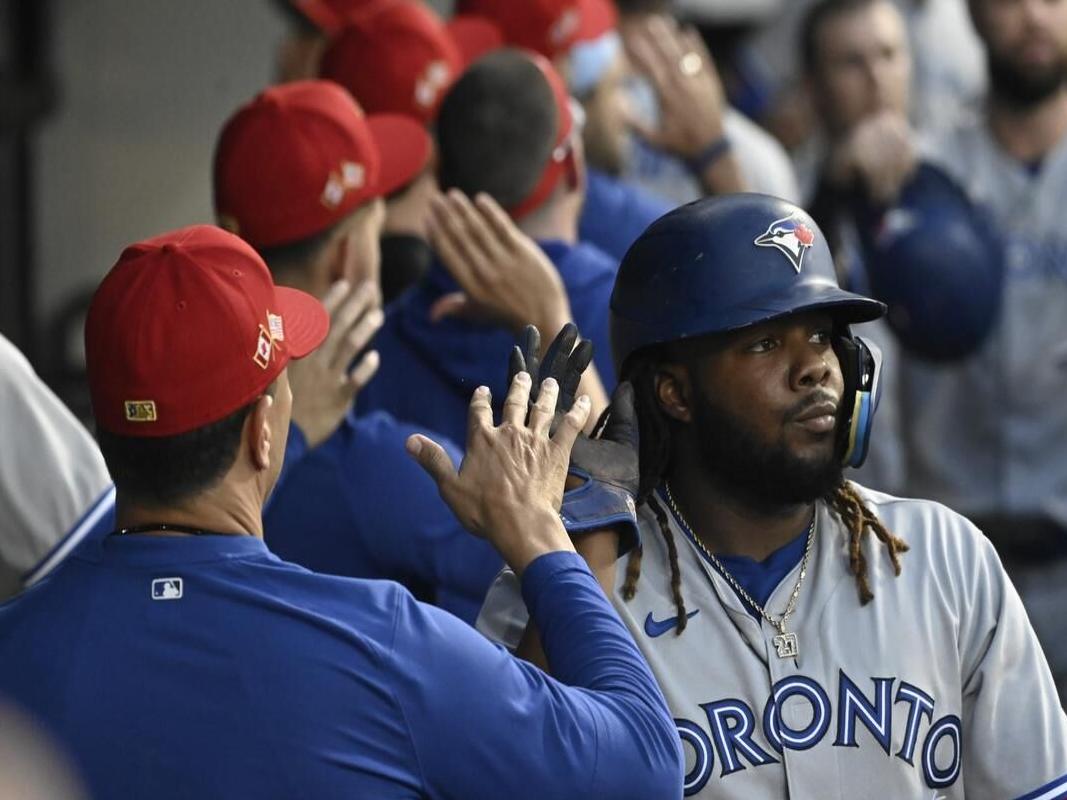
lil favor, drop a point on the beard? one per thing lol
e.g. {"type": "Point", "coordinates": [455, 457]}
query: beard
{"type": "Point", "coordinates": [1024, 88]}
{"type": "Point", "coordinates": [769, 475]}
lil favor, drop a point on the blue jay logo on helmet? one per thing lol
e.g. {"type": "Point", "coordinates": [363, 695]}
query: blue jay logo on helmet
{"type": "Point", "coordinates": [790, 236]}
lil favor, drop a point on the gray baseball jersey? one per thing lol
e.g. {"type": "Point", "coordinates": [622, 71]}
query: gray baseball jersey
{"type": "Point", "coordinates": [989, 434]}
{"type": "Point", "coordinates": [936, 689]}
{"type": "Point", "coordinates": [51, 470]}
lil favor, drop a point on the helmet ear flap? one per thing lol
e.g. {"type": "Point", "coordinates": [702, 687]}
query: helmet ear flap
{"type": "Point", "coordinates": [861, 368]}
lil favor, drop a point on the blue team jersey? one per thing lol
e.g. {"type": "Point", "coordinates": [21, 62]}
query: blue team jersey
{"type": "Point", "coordinates": [204, 666]}
{"type": "Point", "coordinates": [429, 370]}
{"type": "Point", "coordinates": [359, 505]}
{"type": "Point", "coordinates": [616, 213]}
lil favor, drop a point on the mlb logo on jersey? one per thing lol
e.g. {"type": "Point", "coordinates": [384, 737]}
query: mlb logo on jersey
{"type": "Point", "coordinates": [791, 237]}
{"type": "Point", "coordinates": [167, 589]}
{"type": "Point", "coordinates": [140, 410]}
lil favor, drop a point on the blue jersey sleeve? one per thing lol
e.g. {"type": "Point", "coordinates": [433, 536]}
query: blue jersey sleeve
{"type": "Point", "coordinates": [487, 725]}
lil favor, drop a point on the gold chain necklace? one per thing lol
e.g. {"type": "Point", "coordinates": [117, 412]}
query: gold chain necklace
{"type": "Point", "coordinates": [786, 643]}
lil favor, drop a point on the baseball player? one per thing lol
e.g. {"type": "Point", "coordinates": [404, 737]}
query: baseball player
{"type": "Point", "coordinates": [506, 130]}
{"type": "Point", "coordinates": [899, 228]}
{"type": "Point", "coordinates": [691, 142]}
{"type": "Point", "coordinates": [986, 436]}
{"type": "Point", "coordinates": [581, 39]}
{"type": "Point", "coordinates": [400, 58]}
{"type": "Point", "coordinates": [54, 487]}
{"type": "Point", "coordinates": [180, 658]}
{"type": "Point", "coordinates": [813, 638]}
{"type": "Point", "coordinates": [300, 173]}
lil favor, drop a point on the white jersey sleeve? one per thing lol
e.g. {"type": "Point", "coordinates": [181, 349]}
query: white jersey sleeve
{"type": "Point", "coordinates": [503, 616]}
{"type": "Point", "coordinates": [1015, 736]}
{"type": "Point", "coordinates": [51, 470]}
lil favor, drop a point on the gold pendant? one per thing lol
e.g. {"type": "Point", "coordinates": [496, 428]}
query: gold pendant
{"type": "Point", "coordinates": [787, 645]}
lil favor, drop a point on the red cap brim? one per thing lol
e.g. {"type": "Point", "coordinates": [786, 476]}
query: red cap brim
{"type": "Point", "coordinates": [404, 146]}
{"type": "Point", "coordinates": [305, 319]}
{"type": "Point", "coordinates": [598, 17]}
{"type": "Point", "coordinates": [474, 37]}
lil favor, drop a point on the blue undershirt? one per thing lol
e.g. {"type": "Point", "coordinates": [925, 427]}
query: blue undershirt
{"type": "Point", "coordinates": [761, 578]}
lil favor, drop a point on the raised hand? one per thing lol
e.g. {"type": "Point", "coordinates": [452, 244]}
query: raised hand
{"type": "Point", "coordinates": [510, 484]}
{"type": "Point", "coordinates": [503, 275]}
{"type": "Point", "coordinates": [880, 154]}
{"type": "Point", "coordinates": [326, 383]}
{"type": "Point", "coordinates": [687, 84]}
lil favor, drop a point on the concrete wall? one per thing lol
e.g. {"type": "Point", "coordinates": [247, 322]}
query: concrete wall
{"type": "Point", "coordinates": [145, 86]}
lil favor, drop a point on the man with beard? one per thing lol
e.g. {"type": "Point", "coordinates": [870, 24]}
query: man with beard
{"type": "Point", "coordinates": [813, 638]}
{"type": "Point", "coordinates": [987, 436]}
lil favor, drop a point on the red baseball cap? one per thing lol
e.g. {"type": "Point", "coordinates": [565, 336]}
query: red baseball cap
{"type": "Point", "coordinates": [398, 58]}
{"type": "Point", "coordinates": [548, 27]}
{"type": "Point", "coordinates": [301, 156]}
{"type": "Point", "coordinates": [474, 36]}
{"type": "Point", "coordinates": [187, 328]}
{"type": "Point", "coordinates": [598, 17]}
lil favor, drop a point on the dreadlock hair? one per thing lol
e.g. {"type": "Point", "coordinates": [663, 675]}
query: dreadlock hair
{"type": "Point", "coordinates": [655, 458]}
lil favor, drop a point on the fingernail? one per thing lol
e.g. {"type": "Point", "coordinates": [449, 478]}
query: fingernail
{"type": "Point", "coordinates": [481, 391]}
{"type": "Point", "coordinates": [414, 446]}
{"type": "Point", "coordinates": [523, 377]}
{"type": "Point", "coordinates": [583, 400]}
{"type": "Point", "coordinates": [548, 383]}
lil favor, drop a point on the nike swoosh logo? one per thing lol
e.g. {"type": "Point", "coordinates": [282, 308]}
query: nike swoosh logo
{"type": "Point", "coordinates": [656, 628]}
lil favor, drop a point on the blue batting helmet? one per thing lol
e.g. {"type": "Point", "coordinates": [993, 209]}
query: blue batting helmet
{"type": "Point", "coordinates": [724, 263]}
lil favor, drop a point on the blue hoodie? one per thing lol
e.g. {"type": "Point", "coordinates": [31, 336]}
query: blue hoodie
{"type": "Point", "coordinates": [429, 370]}
{"type": "Point", "coordinates": [359, 506]}
{"type": "Point", "coordinates": [616, 213]}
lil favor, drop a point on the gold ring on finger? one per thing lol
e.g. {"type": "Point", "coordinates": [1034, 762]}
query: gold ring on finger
{"type": "Point", "coordinates": [690, 64]}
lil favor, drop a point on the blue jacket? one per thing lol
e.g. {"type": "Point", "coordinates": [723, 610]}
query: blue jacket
{"type": "Point", "coordinates": [616, 213]}
{"type": "Point", "coordinates": [429, 370]}
{"type": "Point", "coordinates": [205, 666]}
{"type": "Point", "coordinates": [358, 505]}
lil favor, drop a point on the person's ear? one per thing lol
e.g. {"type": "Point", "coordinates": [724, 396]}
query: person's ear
{"type": "Point", "coordinates": [674, 392]}
{"type": "Point", "coordinates": [260, 433]}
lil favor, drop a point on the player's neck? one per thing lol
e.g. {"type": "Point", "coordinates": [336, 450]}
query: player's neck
{"type": "Point", "coordinates": [556, 220]}
{"type": "Point", "coordinates": [1028, 134]}
{"type": "Point", "coordinates": [730, 526]}
{"type": "Point", "coordinates": [233, 514]}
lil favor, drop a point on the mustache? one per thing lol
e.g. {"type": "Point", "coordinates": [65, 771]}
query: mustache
{"type": "Point", "coordinates": [818, 397]}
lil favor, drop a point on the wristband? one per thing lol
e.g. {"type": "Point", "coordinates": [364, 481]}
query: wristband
{"type": "Point", "coordinates": [699, 163]}
{"type": "Point", "coordinates": [594, 506]}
